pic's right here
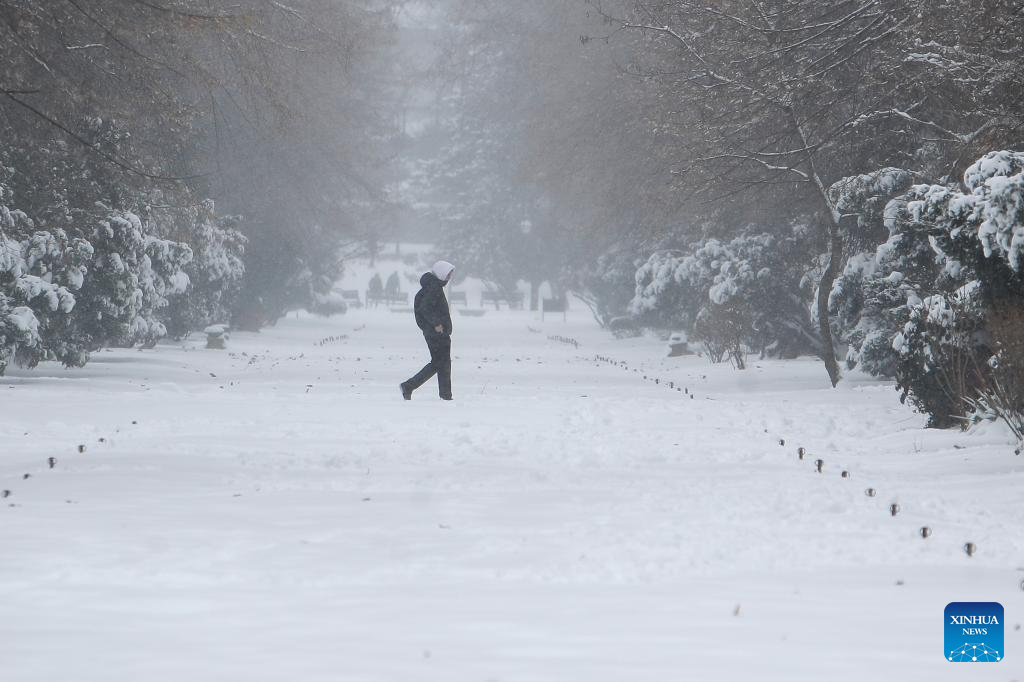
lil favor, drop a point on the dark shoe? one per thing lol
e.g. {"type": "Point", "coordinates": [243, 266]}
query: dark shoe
{"type": "Point", "coordinates": [406, 393]}
{"type": "Point", "coordinates": [443, 398]}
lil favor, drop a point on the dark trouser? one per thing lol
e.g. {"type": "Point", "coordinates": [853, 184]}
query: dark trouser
{"type": "Point", "coordinates": [440, 346]}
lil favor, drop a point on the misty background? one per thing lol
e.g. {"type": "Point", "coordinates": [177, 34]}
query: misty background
{"type": "Point", "coordinates": [840, 179]}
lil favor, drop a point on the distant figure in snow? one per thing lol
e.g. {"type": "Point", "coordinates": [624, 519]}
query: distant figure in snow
{"type": "Point", "coordinates": [375, 292]}
{"type": "Point", "coordinates": [392, 287]}
{"type": "Point", "coordinates": [435, 320]}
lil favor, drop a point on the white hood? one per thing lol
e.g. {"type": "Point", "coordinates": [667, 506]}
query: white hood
{"type": "Point", "coordinates": [442, 269]}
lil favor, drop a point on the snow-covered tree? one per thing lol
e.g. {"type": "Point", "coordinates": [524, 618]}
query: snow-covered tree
{"type": "Point", "coordinates": [776, 102]}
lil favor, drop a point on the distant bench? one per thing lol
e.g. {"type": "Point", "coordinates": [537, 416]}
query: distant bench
{"type": "Point", "coordinates": [457, 297]}
{"type": "Point", "coordinates": [351, 297]}
{"type": "Point", "coordinates": [400, 297]}
{"type": "Point", "coordinates": [553, 305]}
{"type": "Point", "coordinates": [513, 300]}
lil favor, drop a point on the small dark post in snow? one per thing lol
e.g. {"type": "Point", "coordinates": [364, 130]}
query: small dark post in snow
{"type": "Point", "coordinates": [870, 492]}
{"type": "Point", "coordinates": [782, 441]}
{"type": "Point", "coordinates": [894, 509]}
{"type": "Point", "coordinates": [52, 461]}
{"type": "Point", "coordinates": [925, 531]}
{"type": "Point", "coordinates": [845, 474]}
{"type": "Point", "coordinates": [81, 448]}
{"type": "Point", "coordinates": [6, 493]}
{"type": "Point", "coordinates": [26, 477]}
{"type": "Point", "coordinates": [819, 464]}
{"type": "Point", "coordinates": [970, 548]}
{"type": "Point", "coordinates": [801, 452]}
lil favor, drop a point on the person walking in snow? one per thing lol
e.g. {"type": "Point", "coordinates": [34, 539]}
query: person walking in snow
{"type": "Point", "coordinates": [435, 320]}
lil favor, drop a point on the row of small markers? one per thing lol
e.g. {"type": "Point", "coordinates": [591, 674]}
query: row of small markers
{"type": "Point", "coordinates": [925, 532]}
{"type": "Point", "coordinates": [657, 380]}
{"type": "Point", "coordinates": [969, 547]}
{"type": "Point", "coordinates": [566, 340]}
{"type": "Point", "coordinates": [51, 462]}
{"type": "Point", "coordinates": [332, 339]}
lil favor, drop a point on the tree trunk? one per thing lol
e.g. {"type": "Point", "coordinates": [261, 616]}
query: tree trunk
{"type": "Point", "coordinates": [828, 278]}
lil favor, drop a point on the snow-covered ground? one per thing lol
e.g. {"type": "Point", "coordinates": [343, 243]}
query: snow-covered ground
{"type": "Point", "coordinates": [276, 511]}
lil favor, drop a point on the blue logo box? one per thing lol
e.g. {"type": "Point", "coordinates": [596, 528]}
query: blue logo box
{"type": "Point", "coordinates": [974, 632]}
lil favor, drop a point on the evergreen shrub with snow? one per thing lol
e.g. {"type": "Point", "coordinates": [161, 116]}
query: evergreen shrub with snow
{"type": "Point", "coordinates": [38, 272]}
{"type": "Point", "coordinates": [734, 296]}
{"type": "Point", "coordinates": [608, 284]}
{"type": "Point", "coordinates": [77, 274]}
{"type": "Point", "coordinates": [132, 276]}
{"type": "Point", "coordinates": [940, 304]}
{"type": "Point", "coordinates": [215, 272]}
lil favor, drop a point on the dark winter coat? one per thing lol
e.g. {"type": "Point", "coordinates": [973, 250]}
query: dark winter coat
{"type": "Point", "coordinates": [431, 306]}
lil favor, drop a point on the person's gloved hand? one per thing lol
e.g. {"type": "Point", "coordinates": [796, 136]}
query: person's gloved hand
{"type": "Point", "coordinates": [439, 328]}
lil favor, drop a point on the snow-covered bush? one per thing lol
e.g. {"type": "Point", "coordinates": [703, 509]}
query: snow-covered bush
{"type": "Point", "coordinates": [106, 258]}
{"type": "Point", "coordinates": [18, 326]}
{"type": "Point", "coordinates": [1003, 390]}
{"type": "Point", "coordinates": [38, 271]}
{"type": "Point", "coordinates": [55, 269]}
{"type": "Point", "coordinates": [215, 272]}
{"type": "Point", "coordinates": [734, 296]}
{"type": "Point", "coordinates": [938, 304]}
{"type": "Point", "coordinates": [978, 230]}
{"type": "Point", "coordinates": [941, 356]}
{"type": "Point", "coordinates": [663, 295]}
{"type": "Point", "coordinates": [132, 276]}
{"type": "Point", "coordinates": [981, 228]}
{"type": "Point", "coordinates": [992, 208]}
{"type": "Point", "coordinates": [872, 300]}
{"type": "Point", "coordinates": [329, 304]}
{"type": "Point", "coordinates": [866, 196]}
{"type": "Point", "coordinates": [608, 284]}
{"type": "Point", "coordinates": [868, 300]}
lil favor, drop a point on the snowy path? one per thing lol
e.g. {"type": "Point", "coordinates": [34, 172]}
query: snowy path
{"type": "Point", "coordinates": [277, 512]}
